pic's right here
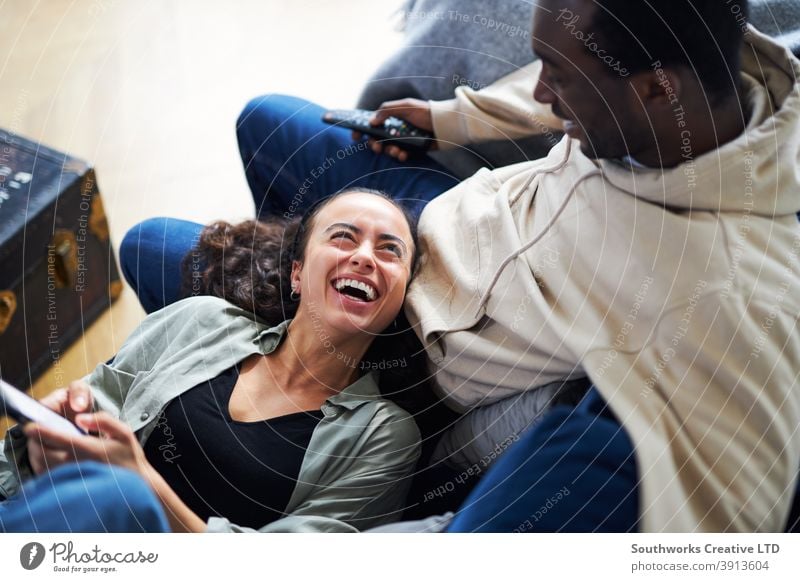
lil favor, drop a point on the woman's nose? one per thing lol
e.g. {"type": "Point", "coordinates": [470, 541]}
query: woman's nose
{"type": "Point", "coordinates": [363, 257]}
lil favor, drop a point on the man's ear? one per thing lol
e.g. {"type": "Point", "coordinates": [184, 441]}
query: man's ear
{"type": "Point", "coordinates": [297, 266]}
{"type": "Point", "coordinates": [658, 88]}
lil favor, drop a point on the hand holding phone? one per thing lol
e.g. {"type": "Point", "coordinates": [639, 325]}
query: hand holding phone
{"type": "Point", "coordinates": [54, 439]}
{"type": "Point", "coordinates": [24, 409]}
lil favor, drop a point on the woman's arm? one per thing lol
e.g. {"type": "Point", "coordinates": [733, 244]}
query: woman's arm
{"type": "Point", "coordinates": [181, 518]}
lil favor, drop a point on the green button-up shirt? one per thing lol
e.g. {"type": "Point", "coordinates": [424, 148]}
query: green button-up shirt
{"type": "Point", "coordinates": [356, 470]}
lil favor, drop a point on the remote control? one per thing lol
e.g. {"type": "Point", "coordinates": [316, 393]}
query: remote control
{"type": "Point", "coordinates": [394, 130]}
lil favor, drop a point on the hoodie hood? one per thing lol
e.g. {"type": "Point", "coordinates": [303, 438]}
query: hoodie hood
{"type": "Point", "coordinates": [766, 153]}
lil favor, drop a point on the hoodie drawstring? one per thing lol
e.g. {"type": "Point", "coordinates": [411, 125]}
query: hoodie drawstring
{"type": "Point", "coordinates": [541, 172]}
{"type": "Point", "coordinates": [513, 256]}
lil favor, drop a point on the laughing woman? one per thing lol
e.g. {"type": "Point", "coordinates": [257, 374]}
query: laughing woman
{"type": "Point", "coordinates": [266, 423]}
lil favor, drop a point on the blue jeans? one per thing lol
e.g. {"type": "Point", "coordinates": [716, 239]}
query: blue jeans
{"type": "Point", "coordinates": [85, 497]}
{"type": "Point", "coordinates": [573, 472]}
{"type": "Point", "coordinates": [291, 159]}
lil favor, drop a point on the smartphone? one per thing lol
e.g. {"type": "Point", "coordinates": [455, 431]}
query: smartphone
{"type": "Point", "coordinates": [22, 408]}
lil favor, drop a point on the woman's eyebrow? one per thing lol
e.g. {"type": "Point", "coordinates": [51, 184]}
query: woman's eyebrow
{"type": "Point", "coordinates": [355, 229]}
{"type": "Point", "coordinates": [346, 225]}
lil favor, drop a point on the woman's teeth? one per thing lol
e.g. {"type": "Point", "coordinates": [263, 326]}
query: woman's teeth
{"type": "Point", "coordinates": [369, 291]}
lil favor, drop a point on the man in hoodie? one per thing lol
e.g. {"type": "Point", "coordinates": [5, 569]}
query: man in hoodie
{"type": "Point", "coordinates": [655, 250]}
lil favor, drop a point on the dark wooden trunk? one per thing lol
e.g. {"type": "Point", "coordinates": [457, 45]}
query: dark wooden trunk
{"type": "Point", "coordinates": [57, 268]}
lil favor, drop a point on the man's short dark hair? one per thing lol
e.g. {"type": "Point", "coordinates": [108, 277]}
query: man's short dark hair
{"type": "Point", "coordinates": [704, 35]}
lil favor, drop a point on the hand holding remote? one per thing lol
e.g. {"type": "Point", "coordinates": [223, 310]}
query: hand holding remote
{"type": "Point", "coordinates": [415, 111]}
{"type": "Point", "coordinates": [393, 129]}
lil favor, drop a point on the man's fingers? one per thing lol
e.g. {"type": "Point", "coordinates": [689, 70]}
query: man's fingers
{"type": "Point", "coordinates": [399, 108]}
{"type": "Point", "coordinates": [390, 150]}
{"type": "Point", "coordinates": [414, 111]}
{"type": "Point", "coordinates": [396, 152]}
{"type": "Point", "coordinates": [380, 116]}
{"type": "Point", "coordinates": [390, 109]}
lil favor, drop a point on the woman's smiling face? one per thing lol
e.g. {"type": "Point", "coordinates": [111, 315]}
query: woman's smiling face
{"type": "Point", "coordinates": [356, 265]}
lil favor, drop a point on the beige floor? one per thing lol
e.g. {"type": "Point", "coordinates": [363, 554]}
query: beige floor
{"type": "Point", "coordinates": [149, 91]}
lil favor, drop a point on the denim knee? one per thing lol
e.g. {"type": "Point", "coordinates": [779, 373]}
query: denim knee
{"type": "Point", "coordinates": [267, 111]}
{"type": "Point", "coordinates": [130, 249]}
{"type": "Point", "coordinates": [150, 256]}
{"type": "Point", "coordinates": [84, 497]}
{"type": "Point", "coordinates": [123, 501]}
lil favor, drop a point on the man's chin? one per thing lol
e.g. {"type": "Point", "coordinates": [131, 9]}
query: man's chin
{"type": "Point", "coordinates": [594, 150]}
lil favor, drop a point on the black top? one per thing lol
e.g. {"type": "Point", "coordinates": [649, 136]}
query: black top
{"type": "Point", "coordinates": [243, 471]}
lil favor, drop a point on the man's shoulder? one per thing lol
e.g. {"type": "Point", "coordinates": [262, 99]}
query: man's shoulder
{"type": "Point", "coordinates": [476, 193]}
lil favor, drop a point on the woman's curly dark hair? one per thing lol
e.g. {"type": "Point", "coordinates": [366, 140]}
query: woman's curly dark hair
{"type": "Point", "coordinates": [248, 264]}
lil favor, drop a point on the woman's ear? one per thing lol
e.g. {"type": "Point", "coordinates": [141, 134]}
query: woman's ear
{"type": "Point", "coordinates": [297, 267]}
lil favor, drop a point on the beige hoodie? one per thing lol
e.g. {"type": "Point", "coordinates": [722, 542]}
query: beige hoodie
{"type": "Point", "coordinates": [677, 293]}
